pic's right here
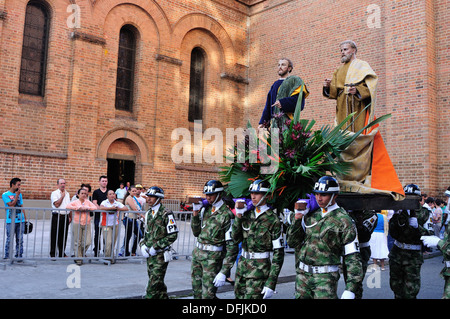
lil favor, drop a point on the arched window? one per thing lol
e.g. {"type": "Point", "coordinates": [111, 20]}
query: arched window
{"type": "Point", "coordinates": [196, 84]}
{"type": "Point", "coordinates": [34, 49]}
{"type": "Point", "coordinates": [125, 68]}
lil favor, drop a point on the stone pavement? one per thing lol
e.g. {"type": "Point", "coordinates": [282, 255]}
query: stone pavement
{"type": "Point", "coordinates": [62, 279]}
{"type": "Point", "coordinates": [126, 279]}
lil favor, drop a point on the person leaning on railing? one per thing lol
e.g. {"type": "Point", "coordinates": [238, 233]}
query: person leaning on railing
{"type": "Point", "coordinates": [81, 209]}
{"type": "Point", "coordinates": [131, 220]}
{"type": "Point", "coordinates": [110, 221]}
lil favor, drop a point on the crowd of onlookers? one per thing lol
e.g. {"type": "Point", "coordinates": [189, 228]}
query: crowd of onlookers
{"type": "Point", "coordinates": [102, 206]}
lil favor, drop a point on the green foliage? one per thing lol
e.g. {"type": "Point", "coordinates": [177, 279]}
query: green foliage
{"type": "Point", "coordinates": [302, 156]}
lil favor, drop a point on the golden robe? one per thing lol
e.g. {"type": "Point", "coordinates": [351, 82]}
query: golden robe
{"type": "Point", "coordinates": [371, 168]}
{"type": "Point", "coordinates": [349, 103]}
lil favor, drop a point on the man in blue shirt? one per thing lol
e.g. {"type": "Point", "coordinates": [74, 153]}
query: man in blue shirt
{"type": "Point", "coordinates": [283, 100]}
{"type": "Point", "coordinates": [13, 198]}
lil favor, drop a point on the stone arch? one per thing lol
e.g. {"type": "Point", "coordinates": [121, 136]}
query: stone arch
{"type": "Point", "coordinates": [102, 9]}
{"type": "Point", "coordinates": [52, 5]}
{"type": "Point", "coordinates": [201, 21]}
{"type": "Point", "coordinates": [126, 134]}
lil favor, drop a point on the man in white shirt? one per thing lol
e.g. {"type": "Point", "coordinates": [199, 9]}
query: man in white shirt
{"type": "Point", "coordinates": [60, 219]}
{"type": "Point", "coordinates": [110, 221]}
{"type": "Point", "coordinates": [142, 199]}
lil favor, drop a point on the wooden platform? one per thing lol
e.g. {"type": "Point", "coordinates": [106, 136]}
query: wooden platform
{"type": "Point", "coordinates": [355, 201]}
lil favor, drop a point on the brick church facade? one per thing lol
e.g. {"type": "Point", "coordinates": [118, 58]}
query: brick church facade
{"type": "Point", "coordinates": [103, 87]}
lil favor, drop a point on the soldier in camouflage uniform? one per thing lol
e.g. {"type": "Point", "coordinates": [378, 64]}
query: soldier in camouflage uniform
{"type": "Point", "coordinates": [444, 246]}
{"type": "Point", "coordinates": [365, 221]}
{"type": "Point", "coordinates": [160, 232]}
{"type": "Point", "coordinates": [320, 239]}
{"type": "Point", "coordinates": [259, 230]}
{"type": "Point", "coordinates": [405, 257]}
{"type": "Point", "coordinates": [215, 252]}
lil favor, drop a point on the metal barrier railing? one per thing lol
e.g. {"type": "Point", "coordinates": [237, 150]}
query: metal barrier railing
{"type": "Point", "coordinates": [75, 241]}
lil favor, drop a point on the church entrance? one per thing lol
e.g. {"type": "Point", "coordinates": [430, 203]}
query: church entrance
{"type": "Point", "coordinates": [123, 158]}
{"type": "Point", "coordinates": [120, 171]}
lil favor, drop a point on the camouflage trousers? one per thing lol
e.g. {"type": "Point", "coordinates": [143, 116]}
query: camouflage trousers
{"type": "Point", "coordinates": [365, 253]}
{"type": "Point", "coordinates": [205, 266]}
{"type": "Point", "coordinates": [156, 269]}
{"type": "Point", "coordinates": [316, 286]}
{"type": "Point", "coordinates": [251, 275]}
{"type": "Point", "coordinates": [404, 279]}
{"type": "Point", "coordinates": [446, 288]}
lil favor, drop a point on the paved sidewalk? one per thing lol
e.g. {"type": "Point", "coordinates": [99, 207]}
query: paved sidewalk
{"type": "Point", "coordinates": [63, 279]}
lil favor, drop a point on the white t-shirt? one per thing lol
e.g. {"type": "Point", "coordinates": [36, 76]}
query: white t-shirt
{"type": "Point", "coordinates": [56, 195]}
{"type": "Point", "coordinates": [109, 216]}
{"type": "Point", "coordinates": [121, 192]}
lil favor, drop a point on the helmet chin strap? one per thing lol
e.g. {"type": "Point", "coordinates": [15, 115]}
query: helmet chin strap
{"type": "Point", "coordinates": [329, 202]}
{"type": "Point", "coordinates": [218, 197]}
{"type": "Point", "coordinates": [157, 202]}
{"type": "Point", "coordinates": [262, 198]}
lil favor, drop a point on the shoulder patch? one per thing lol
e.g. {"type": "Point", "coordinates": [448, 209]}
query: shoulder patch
{"type": "Point", "coordinates": [171, 224]}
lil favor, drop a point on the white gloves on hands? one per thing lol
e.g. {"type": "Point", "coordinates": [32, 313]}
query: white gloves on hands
{"type": "Point", "coordinates": [152, 251]}
{"type": "Point", "coordinates": [267, 292]}
{"type": "Point", "coordinates": [219, 281]}
{"type": "Point", "coordinates": [147, 252]}
{"type": "Point", "coordinates": [299, 204]}
{"type": "Point", "coordinates": [144, 251]}
{"type": "Point", "coordinates": [413, 222]}
{"type": "Point", "coordinates": [430, 241]}
{"type": "Point", "coordinates": [241, 211]}
{"type": "Point", "coordinates": [197, 206]}
{"type": "Point", "coordinates": [347, 294]}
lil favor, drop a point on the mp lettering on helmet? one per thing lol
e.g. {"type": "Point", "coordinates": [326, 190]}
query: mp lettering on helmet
{"type": "Point", "coordinates": [320, 186]}
{"type": "Point", "coordinates": [411, 190]}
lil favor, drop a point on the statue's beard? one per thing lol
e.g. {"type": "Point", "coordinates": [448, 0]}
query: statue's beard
{"type": "Point", "coordinates": [346, 58]}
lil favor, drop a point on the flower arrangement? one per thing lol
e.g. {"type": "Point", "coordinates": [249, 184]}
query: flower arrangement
{"type": "Point", "coordinates": [301, 156]}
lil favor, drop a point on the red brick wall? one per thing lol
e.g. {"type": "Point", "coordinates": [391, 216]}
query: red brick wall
{"type": "Point", "coordinates": [69, 131]}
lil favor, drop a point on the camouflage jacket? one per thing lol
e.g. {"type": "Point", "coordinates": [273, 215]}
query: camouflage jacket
{"type": "Point", "coordinates": [401, 231]}
{"type": "Point", "coordinates": [211, 229]}
{"type": "Point", "coordinates": [257, 236]}
{"type": "Point", "coordinates": [321, 242]}
{"type": "Point", "coordinates": [160, 228]}
{"type": "Point", "coordinates": [444, 246]}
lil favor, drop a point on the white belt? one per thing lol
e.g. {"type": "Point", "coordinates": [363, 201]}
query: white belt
{"type": "Point", "coordinates": [447, 264]}
{"type": "Point", "coordinates": [318, 269]}
{"type": "Point", "coordinates": [407, 246]}
{"type": "Point", "coordinates": [209, 247]}
{"type": "Point", "coordinates": [366, 244]}
{"type": "Point", "coordinates": [250, 255]}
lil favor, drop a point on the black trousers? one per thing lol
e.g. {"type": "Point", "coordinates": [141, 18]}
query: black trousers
{"type": "Point", "coordinates": [58, 234]}
{"type": "Point", "coordinates": [97, 233]}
